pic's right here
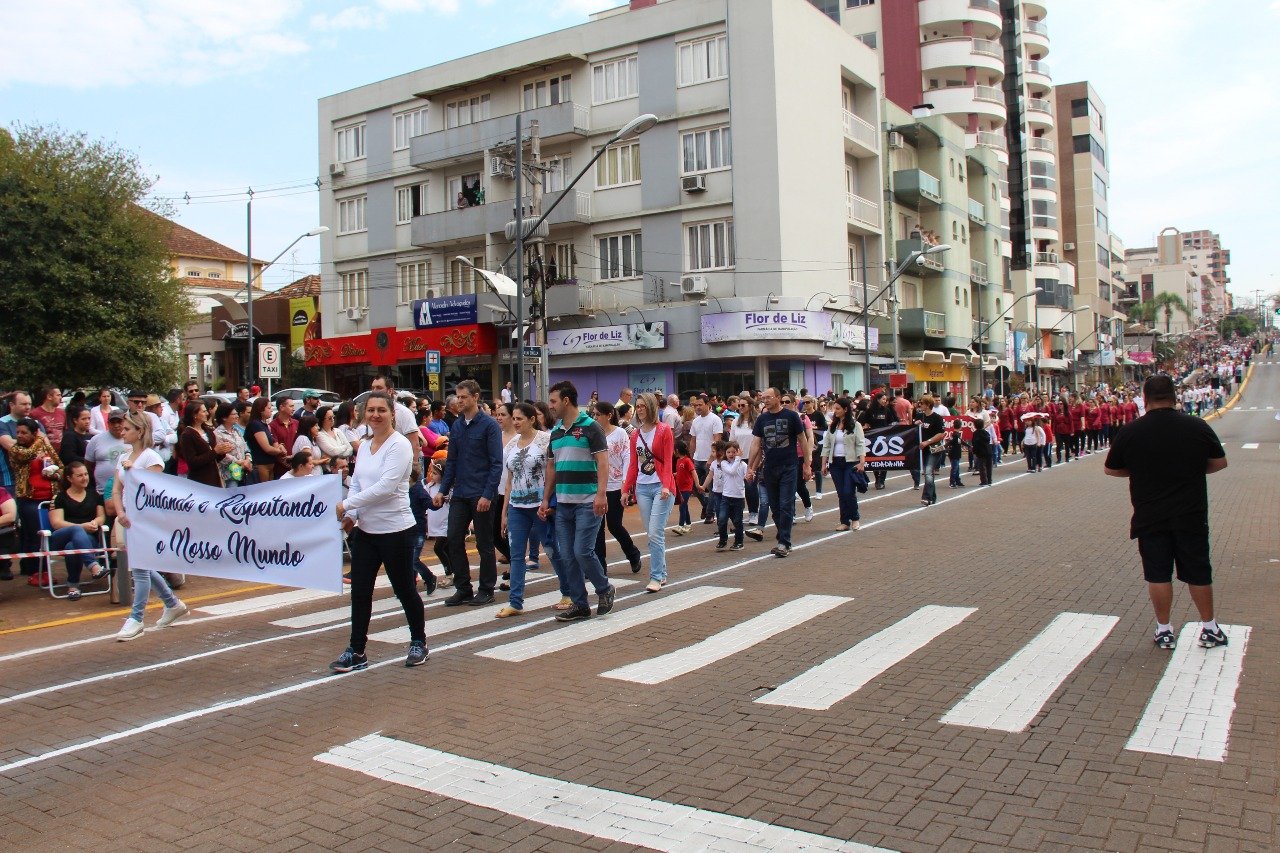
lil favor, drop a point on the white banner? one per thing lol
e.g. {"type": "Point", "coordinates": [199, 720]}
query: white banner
{"type": "Point", "coordinates": [284, 532]}
{"type": "Point", "coordinates": [633, 336]}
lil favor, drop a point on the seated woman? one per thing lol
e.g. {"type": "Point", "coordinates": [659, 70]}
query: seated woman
{"type": "Point", "coordinates": [8, 533]}
{"type": "Point", "coordinates": [75, 517]}
{"type": "Point", "coordinates": [301, 464]}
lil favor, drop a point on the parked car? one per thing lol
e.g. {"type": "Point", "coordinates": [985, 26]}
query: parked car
{"type": "Point", "coordinates": [214, 398]}
{"type": "Point", "coordinates": [295, 394]}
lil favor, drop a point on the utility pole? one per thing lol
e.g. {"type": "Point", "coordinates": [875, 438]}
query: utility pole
{"type": "Point", "coordinates": [248, 280]}
{"type": "Point", "coordinates": [520, 266]}
{"type": "Point", "coordinates": [540, 326]}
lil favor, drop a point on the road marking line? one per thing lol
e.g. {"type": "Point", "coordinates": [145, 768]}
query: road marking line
{"type": "Point", "coordinates": [597, 629]}
{"type": "Point", "coordinates": [114, 613]}
{"type": "Point", "coordinates": [729, 642]}
{"type": "Point", "coordinates": [470, 617]}
{"type": "Point", "coordinates": [838, 678]}
{"type": "Point", "coordinates": [1252, 445]}
{"type": "Point", "coordinates": [298, 687]}
{"type": "Point", "coordinates": [597, 812]}
{"type": "Point", "coordinates": [265, 602]}
{"type": "Point", "coordinates": [1189, 714]}
{"type": "Point", "coordinates": [1009, 698]}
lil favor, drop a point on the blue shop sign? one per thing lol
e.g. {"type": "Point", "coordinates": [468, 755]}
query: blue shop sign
{"type": "Point", "coordinates": [444, 311]}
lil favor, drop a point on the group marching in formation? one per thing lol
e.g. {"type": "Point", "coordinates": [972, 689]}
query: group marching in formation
{"type": "Point", "coordinates": [519, 479]}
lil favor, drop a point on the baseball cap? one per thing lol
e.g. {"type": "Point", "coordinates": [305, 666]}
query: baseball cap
{"type": "Point", "coordinates": [310, 394]}
{"type": "Point", "coordinates": [116, 415]}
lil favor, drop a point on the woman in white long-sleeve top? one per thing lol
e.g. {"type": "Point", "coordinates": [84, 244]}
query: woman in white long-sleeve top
{"type": "Point", "coordinates": [380, 524]}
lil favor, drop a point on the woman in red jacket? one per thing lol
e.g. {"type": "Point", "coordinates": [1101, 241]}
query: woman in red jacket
{"type": "Point", "coordinates": [1093, 424]}
{"type": "Point", "coordinates": [650, 482]}
{"type": "Point", "coordinates": [198, 448]}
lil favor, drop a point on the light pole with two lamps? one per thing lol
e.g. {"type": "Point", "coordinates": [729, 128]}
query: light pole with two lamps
{"type": "Point", "coordinates": [314, 232]}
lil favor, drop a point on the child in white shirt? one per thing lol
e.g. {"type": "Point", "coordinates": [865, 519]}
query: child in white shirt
{"type": "Point", "coordinates": [731, 474]}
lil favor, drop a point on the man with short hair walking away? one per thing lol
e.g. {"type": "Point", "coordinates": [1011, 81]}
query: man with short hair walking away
{"type": "Point", "coordinates": [1166, 456]}
{"type": "Point", "coordinates": [578, 476]}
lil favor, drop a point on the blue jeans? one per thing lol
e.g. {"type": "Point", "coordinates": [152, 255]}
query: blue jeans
{"type": "Point", "coordinates": [762, 502]}
{"type": "Point", "coordinates": [524, 527]}
{"type": "Point", "coordinates": [955, 472]}
{"type": "Point", "coordinates": [419, 539]}
{"type": "Point", "coordinates": [780, 487]}
{"type": "Point", "coordinates": [684, 509]}
{"type": "Point", "coordinates": [143, 580]}
{"type": "Point", "coordinates": [729, 510]}
{"type": "Point", "coordinates": [708, 507]}
{"type": "Point", "coordinates": [576, 526]}
{"type": "Point", "coordinates": [932, 462]}
{"type": "Point", "coordinates": [842, 477]}
{"type": "Point", "coordinates": [72, 538]}
{"type": "Point", "coordinates": [654, 512]}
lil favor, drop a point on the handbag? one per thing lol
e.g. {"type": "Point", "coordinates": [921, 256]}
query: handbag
{"type": "Point", "coordinates": [649, 467]}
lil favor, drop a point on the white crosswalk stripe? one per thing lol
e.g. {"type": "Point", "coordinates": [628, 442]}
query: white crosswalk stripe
{"type": "Point", "coordinates": [1009, 698]}
{"type": "Point", "coordinates": [1189, 714]}
{"type": "Point", "coordinates": [1252, 445]}
{"type": "Point", "coordinates": [470, 617]}
{"type": "Point", "coordinates": [266, 602]}
{"type": "Point", "coordinates": [728, 642]}
{"type": "Point", "coordinates": [843, 675]}
{"type": "Point", "coordinates": [598, 628]}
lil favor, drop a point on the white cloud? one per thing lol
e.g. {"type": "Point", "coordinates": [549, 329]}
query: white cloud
{"type": "Point", "coordinates": [91, 43]}
{"type": "Point", "coordinates": [350, 18]}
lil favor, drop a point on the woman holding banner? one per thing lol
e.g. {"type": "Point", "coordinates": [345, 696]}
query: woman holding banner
{"type": "Point", "coordinates": [136, 432]}
{"type": "Point", "coordinates": [381, 527]}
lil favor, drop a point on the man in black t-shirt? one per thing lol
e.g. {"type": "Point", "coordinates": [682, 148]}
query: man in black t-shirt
{"type": "Point", "coordinates": [781, 448]}
{"type": "Point", "coordinates": [1166, 455]}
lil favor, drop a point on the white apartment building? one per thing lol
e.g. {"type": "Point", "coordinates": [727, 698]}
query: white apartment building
{"type": "Point", "coordinates": [724, 248]}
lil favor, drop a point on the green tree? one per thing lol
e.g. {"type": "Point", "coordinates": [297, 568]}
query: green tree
{"type": "Point", "coordinates": [1241, 324]}
{"type": "Point", "coordinates": [90, 298]}
{"type": "Point", "coordinates": [1166, 302]}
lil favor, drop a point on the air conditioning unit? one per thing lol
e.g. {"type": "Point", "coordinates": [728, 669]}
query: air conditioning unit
{"type": "Point", "coordinates": [337, 170]}
{"type": "Point", "coordinates": [694, 183]}
{"type": "Point", "coordinates": [1069, 247]}
{"type": "Point", "coordinates": [354, 313]}
{"type": "Point", "coordinates": [896, 140]}
{"type": "Point", "coordinates": [693, 285]}
{"type": "Point", "coordinates": [499, 168]}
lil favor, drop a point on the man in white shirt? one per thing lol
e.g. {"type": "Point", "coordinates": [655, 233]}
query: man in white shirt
{"type": "Point", "coordinates": [671, 415]}
{"type": "Point", "coordinates": [406, 423]}
{"type": "Point", "coordinates": [148, 405]}
{"type": "Point", "coordinates": [704, 430]}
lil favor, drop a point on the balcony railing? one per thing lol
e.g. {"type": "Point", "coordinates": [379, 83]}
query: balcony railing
{"type": "Point", "coordinates": [934, 323]}
{"type": "Point", "coordinates": [919, 323]}
{"type": "Point", "coordinates": [990, 139]}
{"type": "Point", "coordinates": [1037, 27]}
{"type": "Point", "coordinates": [988, 93]}
{"type": "Point", "coordinates": [987, 47]}
{"type": "Point", "coordinates": [916, 186]}
{"type": "Point", "coordinates": [978, 272]}
{"type": "Point", "coordinates": [862, 210]}
{"type": "Point", "coordinates": [861, 131]}
{"type": "Point", "coordinates": [1044, 221]}
{"type": "Point", "coordinates": [1038, 66]}
{"type": "Point", "coordinates": [977, 211]}
{"type": "Point", "coordinates": [1047, 258]}
{"type": "Point", "coordinates": [985, 5]}
{"type": "Point", "coordinates": [1040, 143]}
{"type": "Point", "coordinates": [1040, 105]}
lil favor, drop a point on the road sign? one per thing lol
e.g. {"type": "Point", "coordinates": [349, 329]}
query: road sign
{"type": "Point", "coordinates": [433, 361]}
{"type": "Point", "coordinates": [269, 361]}
{"type": "Point", "coordinates": [433, 385]}
{"type": "Point", "coordinates": [897, 380]}
{"type": "Point", "coordinates": [532, 352]}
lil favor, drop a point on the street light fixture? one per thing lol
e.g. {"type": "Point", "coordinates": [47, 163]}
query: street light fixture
{"type": "Point", "coordinates": [249, 274]}
{"type": "Point", "coordinates": [703, 302]}
{"type": "Point", "coordinates": [913, 257]}
{"type": "Point", "coordinates": [630, 308]}
{"type": "Point", "coordinates": [831, 301]}
{"type": "Point", "coordinates": [770, 300]}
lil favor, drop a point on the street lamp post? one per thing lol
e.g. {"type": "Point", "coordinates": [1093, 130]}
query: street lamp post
{"type": "Point", "coordinates": [249, 274]}
{"type": "Point", "coordinates": [915, 256]}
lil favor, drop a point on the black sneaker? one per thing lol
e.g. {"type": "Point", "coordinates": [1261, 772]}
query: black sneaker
{"type": "Point", "coordinates": [604, 601]}
{"type": "Point", "coordinates": [781, 551]}
{"type": "Point", "coordinates": [574, 614]}
{"type": "Point", "coordinates": [430, 579]}
{"type": "Point", "coordinates": [349, 661]}
{"type": "Point", "coordinates": [481, 598]}
{"type": "Point", "coordinates": [756, 533]}
{"type": "Point", "coordinates": [458, 597]}
{"type": "Point", "coordinates": [1212, 639]}
{"type": "Point", "coordinates": [506, 576]}
{"type": "Point", "coordinates": [736, 546]}
{"type": "Point", "coordinates": [6, 575]}
{"type": "Point", "coordinates": [417, 654]}
{"type": "Point", "coordinates": [722, 545]}
{"type": "Point", "coordinates": [1166, 640]}
{"type": "Point", "coordinates": [635, 564]}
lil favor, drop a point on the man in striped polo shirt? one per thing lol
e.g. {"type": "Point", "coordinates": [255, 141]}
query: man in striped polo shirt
{"type": "Point", "coordinates": [578, 475]}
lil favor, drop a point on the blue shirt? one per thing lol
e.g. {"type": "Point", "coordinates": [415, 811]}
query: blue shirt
{"type": "Point", "coordinates": [474, 465]}
{"type": "Point", "coordinates": [439, 426]}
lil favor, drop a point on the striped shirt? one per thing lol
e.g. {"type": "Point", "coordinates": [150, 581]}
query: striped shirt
{"type": "Point", "coordinates": [573, 452]}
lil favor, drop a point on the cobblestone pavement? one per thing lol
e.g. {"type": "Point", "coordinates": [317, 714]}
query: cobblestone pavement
{"type": "Point", "coordinates": [974, 675]}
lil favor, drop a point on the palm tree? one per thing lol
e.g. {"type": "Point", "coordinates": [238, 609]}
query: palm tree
{"type": "Point", "coordinates": [1165, 301]}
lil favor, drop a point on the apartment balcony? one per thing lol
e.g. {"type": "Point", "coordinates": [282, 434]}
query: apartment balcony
{"type": "Point", "coordinates": [1037, 73]}
{"type": "Point", "coordinates": [1050, 258]}
{"type": "Point", "coordinates": [558, 123]}
{"type": "Point", "coordinates": [1035, 35]}
{"type": "Point", "coordinates": [917, 188]}
{"type": "Point", "coordinates": [861, 139]}
{"type": "Point", "coordinates": [987, 101]}
{"type": "Point", "coordinates": [1040, 143]}
{"type": "Point", "coordinates": [919, 323]}
{"type": "Point", "coordinates": [985, 14]}
{"type": "Point", "coordinates": [1039, 113]}
{"type": "Point", "coordinates": [978, 272]}
{"type": "Point", "coordinates": [925, 266]}
{"type": "Point", "coordinates": [959, 53]}
{"type": "Point", "coordinates": [977, 212]}
{"type": "Point", "coordinates": [863, 213]}
{"type": "Point", "coordinates": [991, 139]}
{"type": "Point", "coordinates": [1035, 8]}
{"type": "Point", "coordinates": [470, 223]}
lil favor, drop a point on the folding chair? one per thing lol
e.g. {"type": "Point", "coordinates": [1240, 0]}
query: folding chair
{"type": "Point", "coordinates": [47, 555]}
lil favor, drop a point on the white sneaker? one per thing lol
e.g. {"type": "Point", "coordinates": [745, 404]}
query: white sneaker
{"type": "Point", "coordinates": [132, 628]}
{"type": "Point", "coordinates": [818, 496]}
{"type": "Point", "coordinates": [808, 513]}
{"type": "Point", "coordinates": [171, 615]}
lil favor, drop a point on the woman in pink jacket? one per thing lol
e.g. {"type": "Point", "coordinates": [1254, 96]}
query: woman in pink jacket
{"type": "Point", "coordinates": [650, 483]}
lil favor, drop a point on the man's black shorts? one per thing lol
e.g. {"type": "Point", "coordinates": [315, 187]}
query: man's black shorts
{"type": "Point", "coordinates": [1188, 549]}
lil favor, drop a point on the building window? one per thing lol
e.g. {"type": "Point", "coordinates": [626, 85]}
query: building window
{"type": "Point", "coordinates": [1044, 213]}
{"type": "Point", "coordinates": [561, 263]}
{"type": "Point", "coordinates": [1079, 107]}
{"type": "Point", "coordinates": [703, 60]}
{"type": "Point", "coordinates": [559, 174]}
{"type": "Point", "coordinates": [413, 282]}
{"type": "Point", "coordinates": [411, 201]}
{"type": "Point", "coordinates": [1044, 176]}
{"type": "Point", "coordinates": [620, 256]}
{"type": "Point", "coordinates": [710, 245]}
{"type": "Point", "coordinates": [349, 143]}
{"type": "Point", "coordinates": [465, 191]}
{"type": "Point", "coordinates": [706, 150]}
{"type": "Point", "coordinates": [544, 93]}
{"type": "Point", "coordinates": [1086, 144]}
{"type": "Point", "coordinates": [354, 289]}
{"type": "Point", "coordinates": [408, 125]}
{"type": "Point", "coordinates": [1101, 221]}
{"type": "Point", "coordinates": [193, 273]}
{"type": "Point", "coordinates": [869, 39]}
{"type": "Point", "coordinates": [1099, 186]}
{"type": "Point", "coordinates": [213, 275]}
{"type": "Point", "coordinates": [464, 280]}
{"type": "Point", "coordinates": [855, 264]}
{"type": "Point", "coordinates": [615, 80]}
{"type": "Point", "coordinates": [854, 4]}
{"type": "Point", "coordinates": [351, 215]}
{"type": "Point", "coordinates": [466, 111]}
{"type": "Point", "coordinates": [620, 165]}
{"type": "Point", "coordinates": [1104, 256]}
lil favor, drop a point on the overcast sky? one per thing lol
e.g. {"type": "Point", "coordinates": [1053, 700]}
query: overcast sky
{"type": "Point", "coordinates": [219, 95]}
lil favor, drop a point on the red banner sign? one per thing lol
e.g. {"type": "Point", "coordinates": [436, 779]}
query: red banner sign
{"type": "Point", "coordinates": [392, 346]}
